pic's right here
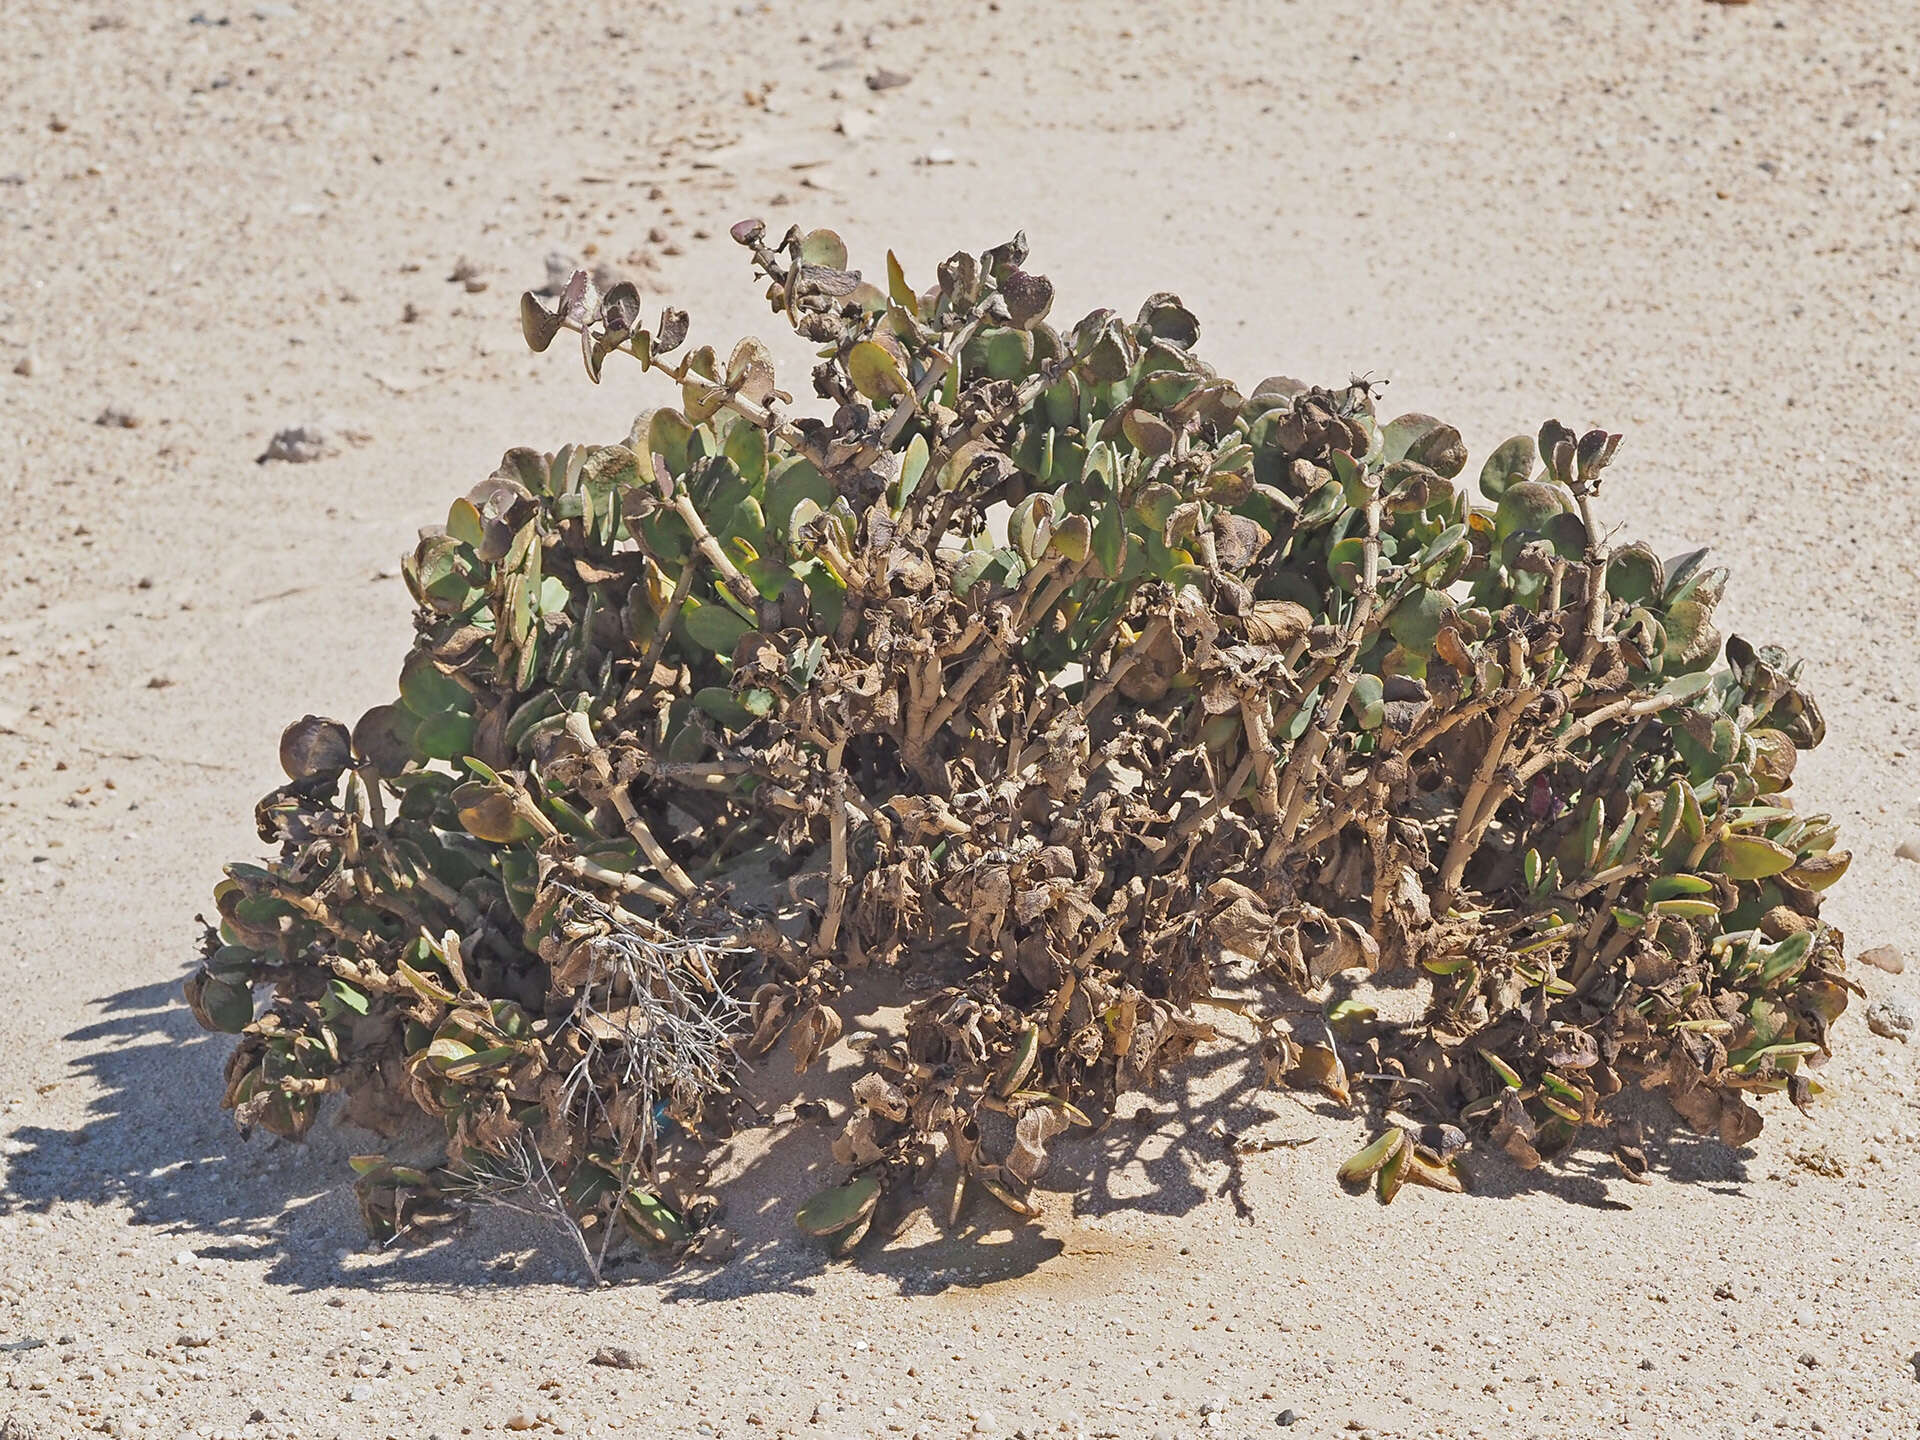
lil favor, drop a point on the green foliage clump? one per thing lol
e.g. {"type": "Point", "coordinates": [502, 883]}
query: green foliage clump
{"type": "Point", "coordinates": [1047, 666]}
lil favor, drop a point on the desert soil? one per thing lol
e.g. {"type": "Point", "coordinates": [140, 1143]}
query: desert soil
{"type": "Point", "coordinates": [1694, 222]}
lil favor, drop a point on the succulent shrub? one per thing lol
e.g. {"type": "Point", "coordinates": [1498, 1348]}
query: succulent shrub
{"type": "Point", "coordinates": [1047, 665]}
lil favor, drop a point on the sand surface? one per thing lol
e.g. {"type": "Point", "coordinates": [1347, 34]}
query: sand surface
{"type": "Point", "coordinates": [1690, 221]}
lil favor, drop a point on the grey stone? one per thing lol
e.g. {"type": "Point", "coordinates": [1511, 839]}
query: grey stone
{"type": "Point", "coordinates": [1890, 1018]}
{"type": "Point", "coordinates": [298, 445]}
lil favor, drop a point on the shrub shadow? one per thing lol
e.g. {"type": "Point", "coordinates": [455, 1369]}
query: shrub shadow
{"type": "Point", "coordinates": [153, 1144]}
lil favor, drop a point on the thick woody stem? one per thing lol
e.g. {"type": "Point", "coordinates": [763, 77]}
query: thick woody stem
{"type": "Point", "coordinates": [1324, 830]}
{"type": "Point", "coordinates": [1481, 800]}
{"type": "Point", "coordinates": [1266, 794]}
{"type": "Point", "coordinates": [601, 766]}
{"type": "Point", "coordinates": [682, 587]}
{"type": "Point", "coordinates": [838, 880]}
{"type": "Point", "coordinates": [957, 695]}
{"type": "Point", "coordinates": [1296, 785]}
{"type": "Point", "coordinates": [1630, 708]}
{"type": "Point", "coordinates": [649, 843]}
{"type": "Point", "coordinates": [682, 504]}
{"type": "Point", "coordinates": [994, 653]}
{"type": "Point", "coordinates": [618, 880]}
{"type": "Point", "coordinates": [929, 382]}
{"type": "Point", "coordinates": [1487, 798]}
{"type": "Point", "coordinates": [1130, 657]}
{"type": "Point", "coordinates": [1382, 868]}
{"type": "Point", "coordinates": [1200, 816]}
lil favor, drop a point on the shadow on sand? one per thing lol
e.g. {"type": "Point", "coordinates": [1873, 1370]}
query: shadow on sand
{"type": "Point", "coordinates": [154, 1143]}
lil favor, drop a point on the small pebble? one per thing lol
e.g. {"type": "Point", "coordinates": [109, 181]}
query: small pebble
{"type": "Point", "coordinates": [467, 275]}
{"type": "Point", "coordinates": [1884, 957]}
{"type": "Point", "coordinates": [1285, 1418]}
{"type": "Point", "coordinates": [1909, 848]}
{"type": "Point", "coordinates": [297, 445]}
{"type": "Point", "coordinates": [1890, 1018]}
{"type": "Point", "coordinates": [25, 365]}
{"type": "Point", "coordinates": [119, 417]}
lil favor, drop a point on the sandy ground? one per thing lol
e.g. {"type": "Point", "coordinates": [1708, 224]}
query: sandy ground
{"type": "Point", "coordinates": [1691, 221]}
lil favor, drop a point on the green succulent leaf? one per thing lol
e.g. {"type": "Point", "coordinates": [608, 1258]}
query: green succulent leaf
{"type": "Point", "coordinates": [913, 467]}
{"type": "Point", "coordinates": [1527, 506]}
{"type": "Point", "coordinates": [795, 481]}
{"type": "Point", "coordinates": [713, 626]}
{"type": "Point", "coordinates": [221, 1002]}
{"type": "Point", "coordinates": [1752, 857]}
{"type": "Point", "coordinates": [840, 1208]}
{"type": "Point", "coordinates": [876, 374]}
{"type": "Point", "coordinates": [1425, 441]}
{"type": "Point", "coordinates": [1507, 467]}
{"type": "Point", "coordinates": [1416, 620]}
{"type": "Point", "coordinates": [669, 439]}
{"type": "Point", "coordinates": [823, 248]}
